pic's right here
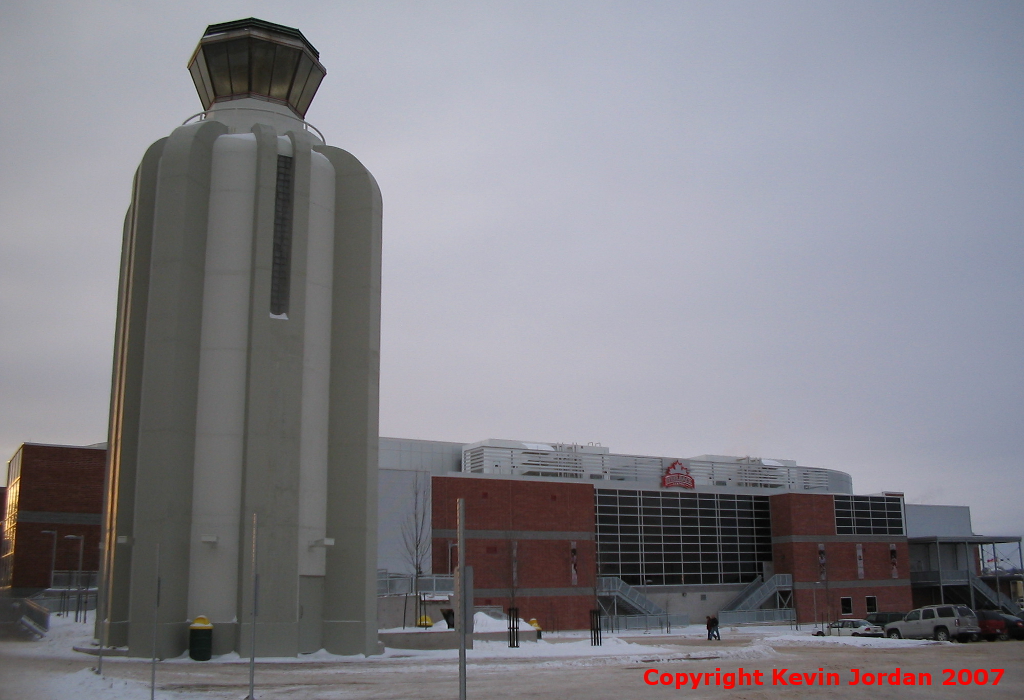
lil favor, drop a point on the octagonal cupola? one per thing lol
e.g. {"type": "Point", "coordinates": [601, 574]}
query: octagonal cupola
{"type": "Point", "coordinates": [251, 58]}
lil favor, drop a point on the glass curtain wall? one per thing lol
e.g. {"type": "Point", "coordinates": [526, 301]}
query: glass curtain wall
{"type": "Point", "coordinates": [666, 538]}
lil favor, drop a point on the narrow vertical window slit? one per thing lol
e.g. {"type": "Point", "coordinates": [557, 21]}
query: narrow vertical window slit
{"type": "Point", "coordinates": [280, 273]}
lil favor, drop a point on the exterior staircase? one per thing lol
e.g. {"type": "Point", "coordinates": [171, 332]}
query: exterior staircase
{"type": "Point", "coordinates": [21, 615]}
{"type": "Point", "coordinates": [997, 599]}
{"type": "Point", "coordinates": [627, 599]}
{"type": "Point", "coordinates": [758, 592]}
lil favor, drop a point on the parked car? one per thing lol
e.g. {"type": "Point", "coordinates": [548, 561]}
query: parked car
{"type": "Point", "coordinates": [941, 622]}
{"type": "Point", "coordinates": [992, 625]}
{"type": "Point", "coordinates": [884, 618]}
{"type": "Point", "coordinates": [856, 628]}
{"type": "Point", "coordinates": [1014, 626]}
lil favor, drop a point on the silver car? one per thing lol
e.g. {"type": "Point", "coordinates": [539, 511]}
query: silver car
{"type": "Point", "coordinates": [855, 628]}
{"type": "Point", "coordinates": [941, 622]}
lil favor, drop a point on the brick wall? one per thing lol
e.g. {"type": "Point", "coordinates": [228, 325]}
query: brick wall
{"type": "Point", "coordinates": [801, 560]}
{"type": "Point", "coordinates": [802, 514]}
{"type": "Point", "coordinates": [62, 479]}
{"type": "Point", "coordinates": [527, 513]}
{"type": "Point", "coordinates": [511, 504]}
{"type": "Point", "coordinates": [888, 599]}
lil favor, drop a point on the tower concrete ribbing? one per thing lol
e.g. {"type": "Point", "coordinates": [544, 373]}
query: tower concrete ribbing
{"type": "Point", "coordinates": [246, 379]}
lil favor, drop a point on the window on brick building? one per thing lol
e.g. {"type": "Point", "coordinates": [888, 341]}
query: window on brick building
{"type": "Point", "coordinates": [689, 538]}
{"type": "Point", "coordinates": [868, 515]}
{"type": "Point", "coordinates": [847, 605]}
{"type": "Point", "coordinates": [871, 603]}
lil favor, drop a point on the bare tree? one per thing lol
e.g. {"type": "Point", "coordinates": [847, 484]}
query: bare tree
{"type": "Point", "coordinates": [416, 529]}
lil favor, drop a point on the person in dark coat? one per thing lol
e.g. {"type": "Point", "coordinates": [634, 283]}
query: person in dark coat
{"type": "Point", "coordinates": [711, 629]}
{"type": "Point", "coordinates": [715, 634]}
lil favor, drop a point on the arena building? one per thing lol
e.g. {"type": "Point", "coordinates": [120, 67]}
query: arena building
{"type": "Point", "coordinates": [562, 529]}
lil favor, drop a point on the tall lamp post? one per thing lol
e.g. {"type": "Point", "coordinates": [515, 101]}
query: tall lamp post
{"type": "Point", "coordinates": [53, 554]}
{"type": "Point", "coordinates": [78, 575]}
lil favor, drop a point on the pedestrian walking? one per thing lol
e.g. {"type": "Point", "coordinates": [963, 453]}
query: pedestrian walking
{"type": "Point", "coordinates": [711, 629]}
{"type": "Point", "coordinates": [715, 634]}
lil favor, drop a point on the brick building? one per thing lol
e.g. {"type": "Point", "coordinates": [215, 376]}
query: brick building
{"type": "Point", "coordinates": [864, 570]}
{"type": "Point", "coordinates": [53, 491]}
{"type": "Point", "coordinates": [530, 543]}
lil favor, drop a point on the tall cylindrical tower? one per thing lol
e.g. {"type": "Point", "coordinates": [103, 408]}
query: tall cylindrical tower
{"type": "Point", "coordinates": [246, 370]}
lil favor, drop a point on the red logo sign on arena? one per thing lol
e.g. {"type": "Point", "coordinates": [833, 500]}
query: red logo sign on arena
{"type": "Point", "coordinates": [678, 474]}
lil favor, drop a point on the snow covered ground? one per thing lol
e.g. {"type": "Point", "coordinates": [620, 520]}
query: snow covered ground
{"type": "Point", "coordinates": [49, 669]}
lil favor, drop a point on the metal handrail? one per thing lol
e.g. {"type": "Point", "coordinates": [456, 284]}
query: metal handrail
{"type": "Point", "coordinates": [404, 584]}
{"type": "Point", "coordinates": [613, 585]}
{"type": "Point", "coordinates": [993, 596]}
{"type": "Point", "coordinates": [26, 614]}
{"type": "Point", "coordinates": [761, 594]}
{"type": "Point", "coordinates": [738, 617]}
{"type": "Point", "coordinates": [663, 621]}
{"type": "Point", "coordinates": [305, 125]}
{"type": "Point", "coordinates": [744, 594]}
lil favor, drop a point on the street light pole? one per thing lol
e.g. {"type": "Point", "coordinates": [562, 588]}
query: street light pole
{"type": "Point", "coordinates": [53, 554]}
{"type": "Point", "coordinates": [814, 593]}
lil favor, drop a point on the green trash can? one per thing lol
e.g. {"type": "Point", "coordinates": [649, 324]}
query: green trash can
{"type": "Point", "coordinates": [200, 639]}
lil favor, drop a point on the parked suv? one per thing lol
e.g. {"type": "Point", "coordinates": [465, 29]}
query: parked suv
{"type": "Point", "coordinates": [993, 625]}
{"type": "Point", "coordinates": [884, 618]}
{"type": "Point", "coordinates": [941, 622]}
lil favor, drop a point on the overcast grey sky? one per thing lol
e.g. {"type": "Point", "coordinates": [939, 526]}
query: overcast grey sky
{"type": "Point", "coordinates": [778, 229]}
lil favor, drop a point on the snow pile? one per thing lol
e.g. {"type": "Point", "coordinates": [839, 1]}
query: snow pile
{"type": "Point", "coordinates": [482, 622]}
{"type": "Point", "coordinates": [439, 626]}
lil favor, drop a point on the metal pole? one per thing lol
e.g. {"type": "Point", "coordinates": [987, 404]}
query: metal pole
{"type": "Point", "coordinates": [156, 612]}
{"type": "Point", "coordinates": [828, 604]}
{"type": "Point", "coordinates": [106, 559]}
{"type": "Point", "coordinates": [81, 586]}
{"type": "Point", "coordinates": [78, 574]}
{"type": "Point", "coordinates": [814, 592]}
{"type": "Point", "coordinates": [255, 612]}
{"type": "Point", "coordinates": [53, 555]}
{"type": "Point", "coordinates": [995, 565]}
{"type": "Point", "coordinates": [970, 573]}
{"type": "Point", "coordinates": [463, 603]}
